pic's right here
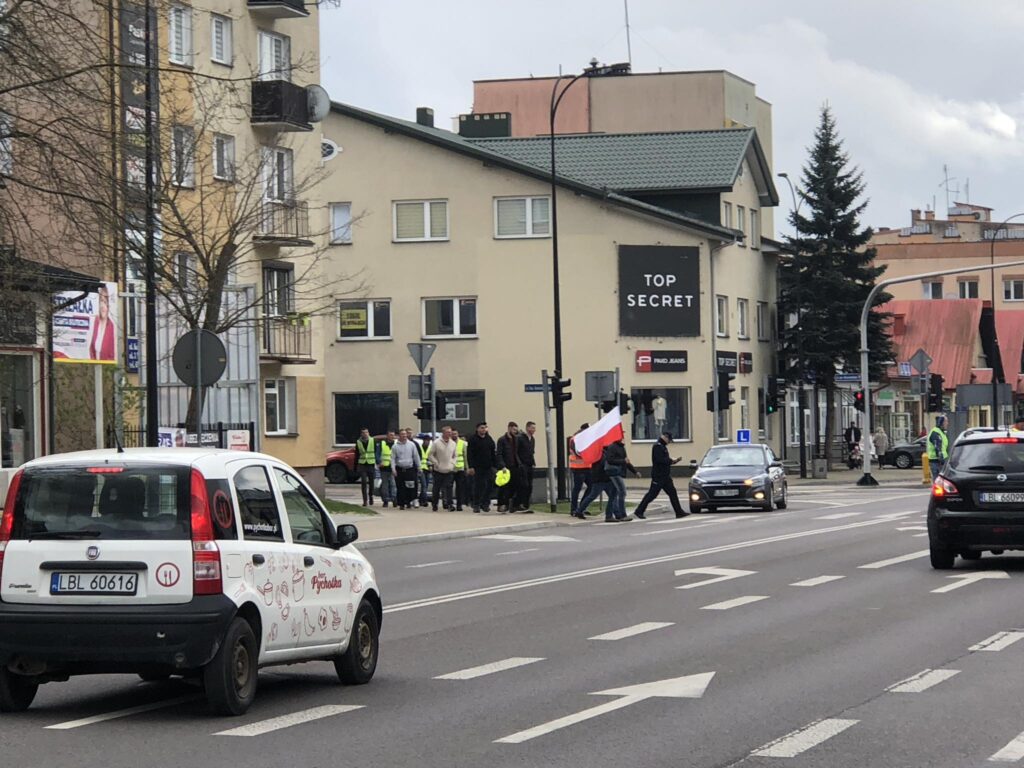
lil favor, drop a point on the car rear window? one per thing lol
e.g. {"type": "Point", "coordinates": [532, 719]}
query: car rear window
{"type": "Point", "coordinates": [988, 457]}
{"type": "Point", "coordinates": [131, 502]}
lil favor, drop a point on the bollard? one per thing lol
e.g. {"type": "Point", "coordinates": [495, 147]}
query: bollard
{"type": "Point", "coordinates": [926, 470]}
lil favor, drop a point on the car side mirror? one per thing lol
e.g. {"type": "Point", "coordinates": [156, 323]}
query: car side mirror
{"type": "Point", "coordinates": [693, 462]}
{"type": "Point", "coordinates": [345, 535]}
{"type": "Point", "coordinates": [776, 465]}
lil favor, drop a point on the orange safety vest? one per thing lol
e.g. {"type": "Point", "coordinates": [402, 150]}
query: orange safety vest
{"type": "Point", "coordinates": [575, 460]}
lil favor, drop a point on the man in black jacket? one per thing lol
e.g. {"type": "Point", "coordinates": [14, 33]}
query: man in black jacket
{"type": "Point", "coordinates": [661, 478]}
{"type": "Point", "coordinates": [480, 461]}
{"type": "Point", "coordinates": [527, 447]}
{"type": "Point", "coordinates": [508, 458]}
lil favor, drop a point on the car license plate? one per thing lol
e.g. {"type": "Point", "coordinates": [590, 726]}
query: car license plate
{"type": "Point", "coordinates": [1002, 497]}
{"type": "Point", "coordinates": [93, 583]}
{"type": "Point", "coordinates": [728, 492]}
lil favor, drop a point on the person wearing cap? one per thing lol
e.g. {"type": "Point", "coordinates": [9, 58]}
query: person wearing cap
{"type": "Point", "coordinates": [938, 447]}
{"type": "Point", "coordinates": [661, 478]}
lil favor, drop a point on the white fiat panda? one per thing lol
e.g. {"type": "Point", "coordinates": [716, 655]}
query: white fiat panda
{"type": "Point", "coordinates": [161, 562]}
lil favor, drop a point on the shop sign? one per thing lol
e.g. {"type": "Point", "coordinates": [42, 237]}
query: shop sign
{"type": "Point", "coordinates": [726, 362]}
{"type": "Point", "coordinates": [746, 362]}
{"type": "Point", "coordinates": [659, 290]}
{"type": "Point", "coordinates": [661, 361]}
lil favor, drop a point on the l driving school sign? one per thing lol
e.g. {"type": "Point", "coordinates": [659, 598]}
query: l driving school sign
{"type": "Point", "coordinates": [659, 290]}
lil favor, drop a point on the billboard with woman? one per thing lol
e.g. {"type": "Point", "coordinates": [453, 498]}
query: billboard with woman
{"type": "Point", "coordinates": [85, 331]}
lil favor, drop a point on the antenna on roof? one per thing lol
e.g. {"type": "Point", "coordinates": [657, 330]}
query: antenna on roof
{"type": "Point", "coordinates": [946, 181]}
{"type": "Point", "coordinates": [629, 45]}
{"type": "Point", "coordinates": [117, 440]}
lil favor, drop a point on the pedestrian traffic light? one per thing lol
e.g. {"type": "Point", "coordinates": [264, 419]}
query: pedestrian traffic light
{"type": "Point", "coordinates": [623, 403]}
{"type": "Point", "coordinates": [725, 390]}
{"type": "Point", "coordinates": [711, 400]}
{"type": "Point", "coordinates": [559, 390]}
{"type": "Point", "coordinates": [441, 405]}
{"type": "Point", "coordinates": [858, 399]}
{"type": "Point", "coordinates": [424, 412]}
{"type": "Point", "coordinates": [771, 396]}
{"type": "Point", "coordinates": [935, 383]}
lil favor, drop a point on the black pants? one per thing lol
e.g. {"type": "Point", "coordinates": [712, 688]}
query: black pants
{"type": "Point", "coordinates": [406, 481]}
{"type": "Point", "coordinates": [442, 489]}
{"type": "Point", "coordinates": [580, 480]}
{"type": "Point", "coordinates": [525, 492]}
{"type": "Point", "coordinates": [509, 493]}
{"type": "Point", "coordinates": [366, 482]}
{"type": "Point", "coordinates": [483, 482]}
{"type": "Point", "coordinates": [461, 483]}
{"type": "Point", "coordinates": [657, 486]}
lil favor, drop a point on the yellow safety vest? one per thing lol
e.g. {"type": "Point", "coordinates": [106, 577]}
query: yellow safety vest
{"type": "Point", "coordinates": [931, 445]}
{"type": "Point", "coordinates": [367, 453]}
{"type": "Point", "coordinates": [460, 455]}
{"type": "Point", "coordinates": [385, 455]}
{"type": "Point", "coordinates": [423, 462]}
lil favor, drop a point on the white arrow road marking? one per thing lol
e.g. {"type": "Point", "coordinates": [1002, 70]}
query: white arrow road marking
{"type": "Point", "coordinates": [736, 602]}
{"type": "Point", "coordinates": [287, 721]}
{"type": "Point", "coordinates": [817, 580]}
{"type": "Point", "coordinates": [839, 515]}
{"type": "Point", "coordinates": [912, 528]}
{"type": "Point", "coordinates": [895, 560]}
{"type": "Point", "coordinates": [963, 579]}
{"type": "Point", "coordinates": [801, 740]}
{"type": "Point", "coordinates": [1011, 753]}
{"type": "Point", "coordinates": [720, 574]}
{"type": "Point", "coordinates": [688, 687]}
{"type": "Point", "coordinates": [923, 680]}
{"type": "Point", "coordinates": [529, 539]}
{"type": "Point", "coordinates": [636, 629]}
{"type": "Point", "coordinates": [998, 641]}
{"type": "Point", "coordinates": [898, 515]}
{"type": "Point", "coordinates": [431, 565]}
{"type": "Point", "coordinates": [123, 713]}
{"type": "Point", "coordinates": [518, 551]}
{"type": "Point", "coordinates": [489, 669]}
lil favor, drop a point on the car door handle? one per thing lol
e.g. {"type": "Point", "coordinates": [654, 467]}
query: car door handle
{"type": "Point", "coordinates": [308, 561]}
{"type": "Point", "coordinates": [258, 559]}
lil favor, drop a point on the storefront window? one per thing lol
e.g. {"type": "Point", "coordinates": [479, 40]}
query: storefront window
{"type": "Point", "coordinates": [661, 410]}
{"type": "Point", "coordinates": [376, 411]}
{"type": "Point", "coordinates": [17, 411]}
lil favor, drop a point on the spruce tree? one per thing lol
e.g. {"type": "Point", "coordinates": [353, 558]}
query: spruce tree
{"type": "Point", "coordinates": [827, 279]}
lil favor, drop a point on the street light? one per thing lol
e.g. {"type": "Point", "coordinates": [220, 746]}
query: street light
{"type": "Point", "coordinates": [995, 331]}
{"type": "Point", "coordinates": [556, 99]}
{"type": "Point", "coordinates": [799, 351]}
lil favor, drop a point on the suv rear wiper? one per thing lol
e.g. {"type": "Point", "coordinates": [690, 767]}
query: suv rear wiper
{"type": "Point", "coordinates": [987, 467]}
{"type": "Point", "coordinates": [66, 535]}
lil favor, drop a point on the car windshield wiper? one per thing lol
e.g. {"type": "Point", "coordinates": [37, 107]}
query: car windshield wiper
{"type": "Point", "coordinates": [988, 467]}
{"type": "Point", "coordinates": [65, 535]}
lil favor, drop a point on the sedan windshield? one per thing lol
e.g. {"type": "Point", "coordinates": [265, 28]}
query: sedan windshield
{"type": "Point", "coordinates": [734, 456]}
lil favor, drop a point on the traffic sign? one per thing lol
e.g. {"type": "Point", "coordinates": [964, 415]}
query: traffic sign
{"type": "Point", "coordinates": [533, 387]}
{"type": "Point", "coordinates": [420, 354]}
{"type": "Point", "coordinates": [421, 388]}
{"type": "Point", "coordinates": [920, 361]}
{"type": "Point", "coordinates": [742, 435]}
{"type": "Point", "coordinates": [600, 386]}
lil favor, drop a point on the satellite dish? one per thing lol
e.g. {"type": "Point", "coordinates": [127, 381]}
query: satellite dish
{"type": "Point", "coordinates": [319, 103]}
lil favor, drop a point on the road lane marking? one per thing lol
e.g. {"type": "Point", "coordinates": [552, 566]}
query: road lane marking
{"type": "Point", "coordinates": [923, 680]}
{"type": "Point", "coordinates": [720, 574]}
{"type": "Point", "coordinates": [289, 720]}
{"type": "Point", "coordinates": [839, 515]}
{"type": "Point", "coordinates": [659, 531]}
{"type": "Point", "coordinates": [963, 579]}
{"type": "Point", "coordinates": [736, 602]}
{"type": "Point", "coordinates": [817, 580]}
{"type": "Point", "coordinates": [1011, 753]}
{"type": "Point", "coordinates": [124, 713]}
{"type": "Point", "coordinates": [898, 515]}
{"type": "Point", "coordinates": [912, 528]}
{"type": "Point", "coordinates": [428, 602]}
{"type": "Point", "coordinates": [489, 669]}
{"type": "Point", "coordinates": [636, 629]}
{"type": "Point", "coordinates": [895, 560]}
{"type": "Point", "coordinates": [517, 551]}
{"type": "Point", "coordinates": [801, 740]}
{"type": "Point", "coordinates": [998, 641]}
{"type": "Point", "coordinates": [431, 565]}
{"type": "Point", "coordinates": [526, 539]}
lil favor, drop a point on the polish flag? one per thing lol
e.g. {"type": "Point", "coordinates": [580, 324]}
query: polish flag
{"type": "Point", "coordinates": [591, 441]}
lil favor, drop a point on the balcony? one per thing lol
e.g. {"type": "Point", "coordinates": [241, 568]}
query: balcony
{"type": "Point", "coordinates": [278, 9]}
{"type": "Point", "coordinates": [283, 223]}
{"type": "Point", "coordinates": [280, 105]}
{"type": "Point", "coordinates": [287, 339]}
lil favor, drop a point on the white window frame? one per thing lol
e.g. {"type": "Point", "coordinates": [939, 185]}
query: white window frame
{"type": "Point", "coordinates": [223, 157]}
{"type": "Point", "coordinates": [179, 27]}
{"type": "Point", "coordinates": [275, 388]}
{"type": "Point", "coordinates": [267, 69]}
{"type": "Point", "coordinates": [929, 289]}
{"type": "Point", "coordinates": [755, 228]}
{"type": "Point", "coordinates": [456, 317]}
{"type": "Point", "coordinates": [964, 292]}
{"type": "Point", "coordinates": [763, 333]}
{"type": "Point", "coordinates": [273, 157]}
{"type": "Point", "coordinates": [721, 316]}
{"type": "Point", "coordinates": [183, 170]}
{"type": "Point", "coordinates": [744, 407]}
{"type": "Point", "coordinates": [528, 202]}
{"type": "Point", "coordinates": [426, 222]}
{"type": "Point", "coordinates": [1013, 283]}
{"type": "Point", "coordinates": [341, 235]}
{"type": "Point", "coordinates": [741, 224]}
{"type": "Point", "coordinates": [227, 55]}
{"type": "Point", "coordinates": [743, 318]}
{"type": "Point", "coordinates": [275, 290]}
{"type": "Point", "coordinates": [727, 214]}
{"type": "Point", "coordinates": [370, 330]}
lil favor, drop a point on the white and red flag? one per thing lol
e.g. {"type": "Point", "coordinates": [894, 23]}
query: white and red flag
{"type": "Point", "coordinates": [591, 441]}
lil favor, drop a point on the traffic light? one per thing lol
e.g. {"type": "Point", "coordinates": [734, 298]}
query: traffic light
{"type": "Point", "coordinates": [771, 396]}
{"type": "Point", "coordinates": [424, 412]}
{"type": "Point", "coordinates": [441, 405]}
{"type": "Point", "coordinates": [935, 404]}
{"type": "Point", "coordinates": [725, 390]}
{"type": "Point", "coordinates": [711, 400]}
{"type": "Point", "coordinates": [558, 388]}
{"type": "Point", "coordinates": [858, 399]}
{"type": "Point", "coordinates": [623, 403]}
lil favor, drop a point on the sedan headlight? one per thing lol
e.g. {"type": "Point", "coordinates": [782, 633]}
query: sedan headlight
{"type": "Point", "coordinates": [696, 480]}
{"type": "Point", "coordinates": [756, 480]}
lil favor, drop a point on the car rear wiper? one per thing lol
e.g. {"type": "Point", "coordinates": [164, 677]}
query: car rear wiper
{"type": "Point", "coordinates": [66, 535]}
{"type": "Point", "coordinates": [987, 467]}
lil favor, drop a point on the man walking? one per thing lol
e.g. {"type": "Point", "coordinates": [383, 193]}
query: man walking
{"type": "Point", "coordinates": [938, 447]}
{"type": "Point", "coordinates": [480, 460]}
{"type": "Point", "coordinates": [387, 477]}
{"type": "Point", "coordinates": [461, 481]}
{"type": "Point", "coordinates": [508, 458]}
{"type": "Point", "coordinates": [601, 481]}
{"type": "Point", "coordinates": [661, 478]}
{"type": "Point", "coordinates": [405, 463]}
{"type": "Point", "coordinates": [366, 463]}
{"type": "Point", "coordinates": [441, 458]}
{"type": "Point", "coordinates": [852, 436]}
{"type": "Point", "coordinates": [527, 447]}
{"type": "Point", "coordinates": [580, 469]}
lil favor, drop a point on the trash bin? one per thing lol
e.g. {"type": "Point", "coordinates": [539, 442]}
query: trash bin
{"type": "Point", "coordinates": [819, 469]}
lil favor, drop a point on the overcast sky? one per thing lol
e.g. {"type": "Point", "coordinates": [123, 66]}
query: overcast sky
{"type": "Point", "coordinates": [913, 84]}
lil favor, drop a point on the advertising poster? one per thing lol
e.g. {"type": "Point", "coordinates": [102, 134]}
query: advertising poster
{"type": "Point", "coordinates": [659, 290]}
{"type": "Point", "coordinates": [87, 331]}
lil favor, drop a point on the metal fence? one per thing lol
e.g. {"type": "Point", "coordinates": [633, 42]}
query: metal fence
{"type": "Point", "coordinates": [213, 435]}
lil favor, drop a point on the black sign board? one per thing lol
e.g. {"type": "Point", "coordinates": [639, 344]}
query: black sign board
{"type": "Point", "coordinates": [746, 362]}
{"type": "Point", "coordinates": [727, 362]}
{"type": "Point", "coordinates": [659, 290]}
{"type": "Point", "coordinates": [661, 360]}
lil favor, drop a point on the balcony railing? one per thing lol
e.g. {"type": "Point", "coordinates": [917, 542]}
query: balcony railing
{"type": "Point", "coordinates": [283, 222]}
{"type": "Point", "coordinates": [278, 9]}
{"type": "Point", "coordinates": [287, 339]}
{"type": "Point", "coordinates": [281, 105]}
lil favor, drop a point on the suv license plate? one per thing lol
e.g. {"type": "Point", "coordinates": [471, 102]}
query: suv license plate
{"type": "Point", "coordinates": [1002, 497]}
{"type": "Point", "coordinates": [728, 492]}
{"type": "Point", "coordinates": [93, 583]}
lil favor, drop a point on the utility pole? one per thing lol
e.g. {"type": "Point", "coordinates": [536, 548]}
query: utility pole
{"type": "Point", "coordinates": [152, 414]}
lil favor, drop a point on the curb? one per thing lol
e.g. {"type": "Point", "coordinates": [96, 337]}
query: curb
{"type": "Point", "coordinates": [464, 533]}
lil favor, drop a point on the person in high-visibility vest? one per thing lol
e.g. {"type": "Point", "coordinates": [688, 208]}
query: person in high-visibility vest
{"type": "Point", "coordinates": [366, 464]}
{"type": "Point", "coordinates": [388, 487]}
{"type": "Point", "coordinates": [938, 446]}
{"type": "Point", "coordinates": [580, 469]}
{"type": "Point", "coordinates": [424, 471]}
{"type": "Point", "coordinates": [461, 481]}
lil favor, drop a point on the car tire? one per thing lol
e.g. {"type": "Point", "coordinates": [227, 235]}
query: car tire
{"type": "Point", "coordinates": [154, 677]}
{"type": "Point", "coordinates": [942, 559]}
{"type": "Point", "coordinates": [903, 460]}
{"type": "Point", "coordinates": [971, 555]}
{"type": "Point", "coordinates": [784, 501]}
{"type": "Point", "coordinates": [359, 661]}
{"type": "Point", "coordinates": [16, 691]}
{"type": "Point", "coordinates": [230, 677]}
{"type": "Point", "coordinates": [337, 473]}
{"type": "Point", "coordinates": [695, 509]}
{"type": "Point", "coordinates": [769, 499]}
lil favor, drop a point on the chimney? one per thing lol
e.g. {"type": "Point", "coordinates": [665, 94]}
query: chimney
{"type": "Point", "coordinates": [929, 216]}
{"type": "Point", "coordinates": [915, 215]}
{"type": "Point", "coordinates": [425, 116]}
{"type": "Point", "coordinates": [899, 325]}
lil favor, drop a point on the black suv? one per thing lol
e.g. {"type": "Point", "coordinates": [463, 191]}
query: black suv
{"type": "Point", "coordinates": [977, 501]}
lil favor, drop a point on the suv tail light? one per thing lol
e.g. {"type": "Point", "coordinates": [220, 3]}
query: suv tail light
{"type": "Point", "coordinates": [206, 570]}
{"type": "Point", "coordinates": [7, 521]}
{"type": "Point", "coordinates": [942, 488]}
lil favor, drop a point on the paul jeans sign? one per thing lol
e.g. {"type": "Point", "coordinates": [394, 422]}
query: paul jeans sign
{"type": "Point", "coordinates": [660, 360]}
{"type": "Point", "coordinates": [659, 290]}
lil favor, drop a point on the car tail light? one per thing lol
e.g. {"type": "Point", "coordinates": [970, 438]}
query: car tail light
{"type": "Point", "coordinates": [105, 470]}
{"type": "Point", "coordinates": [942, 488]}
{"type": "Point", "coordinates": [1005, 440]}
{"type": "Point", "coordinates": [206, 571]}
{"type": "Point", "coordinates": [7, 521]}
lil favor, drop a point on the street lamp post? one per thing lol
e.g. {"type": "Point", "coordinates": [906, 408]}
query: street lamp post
{"type": "Point", "coordinates": [800, 353]}
{"type": "Point", "coordinates": [995, 331]}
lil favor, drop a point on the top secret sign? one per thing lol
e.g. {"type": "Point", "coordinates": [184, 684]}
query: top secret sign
{"type": "Point", "coordinates": [659, 290]}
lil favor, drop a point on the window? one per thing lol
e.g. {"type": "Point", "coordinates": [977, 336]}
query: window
{"type": "Point", "coordinates": [277, 291]}
{"type": "Point", "coordinates": [449, 317]}
{"type": "Point", "coordinates": [364, 320]}
{"type": "Point", "coordinates": [261, 518]}
{"type": "Point", "coordinates": [277, 173]}
{"type": "Point", "coordinates": [305, 517]}
{"type": "Point", "coordinates": [968, 289]}
{"type": "Point", "coordinates": [522, 217]}
{"type": "Point", "coordinates": [724, 424]}
{"type": "Point", "coordinates": [220, 39]}
{"type": "Point", "coordinates": [279, 406]}
{"type": "Point", "coordinates": [661, 410]}
{"type": "Point", "coordinates": [179, 44]}
{"type": "Point", "coordinates": [763, 333]}
{"type": "Point", "coordinates": [377, 411]}
{"type": "Point", "coordinates": [722, 315]}
{"type": "Point", "coordinates": [6, 145]}
{"type": "Point", "coordinates": [933, 289]}
{"type": "Point", "coordinates": [741, 221]}
{"type": "Point", "coordinates": [744, 407]}
{"type": "Point", "coordinates": [183, 169]}
{"type": "Point", "coordinates": [742, 314]}
{"type": "Point", "coordinates": [341, 223]}
{"type": "Point", "coordinates": [1013, 290]}
{"type": "Point", "coordinates": [421, 220]}
{"type": "Point", "coordinates": [726, 214]}
{"type": "Point", "coordinates": [275, 57]}
{"type": "Point", "coordinates": [186, 271]}
{"type": "Point", "coordinates": [755, 228]}
{"type": "Point", "coordinates": [223, 157]}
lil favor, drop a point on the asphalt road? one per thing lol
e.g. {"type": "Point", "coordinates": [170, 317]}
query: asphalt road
{"type": "Point", "coordinates": [818, 636]}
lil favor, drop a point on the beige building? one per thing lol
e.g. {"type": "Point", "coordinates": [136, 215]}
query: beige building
{"type": "Point", "coordinates": [452, 239]}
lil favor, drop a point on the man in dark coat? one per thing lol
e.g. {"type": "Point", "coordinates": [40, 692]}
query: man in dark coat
{"type": "Point", "coordinates": [527, 447]}
{"type": "Point", "coordinates": [661, 478]}
{"type": "Point", "coordinates": [480, 461]}
{"type": "Point", "coordinates": [507, 450]}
